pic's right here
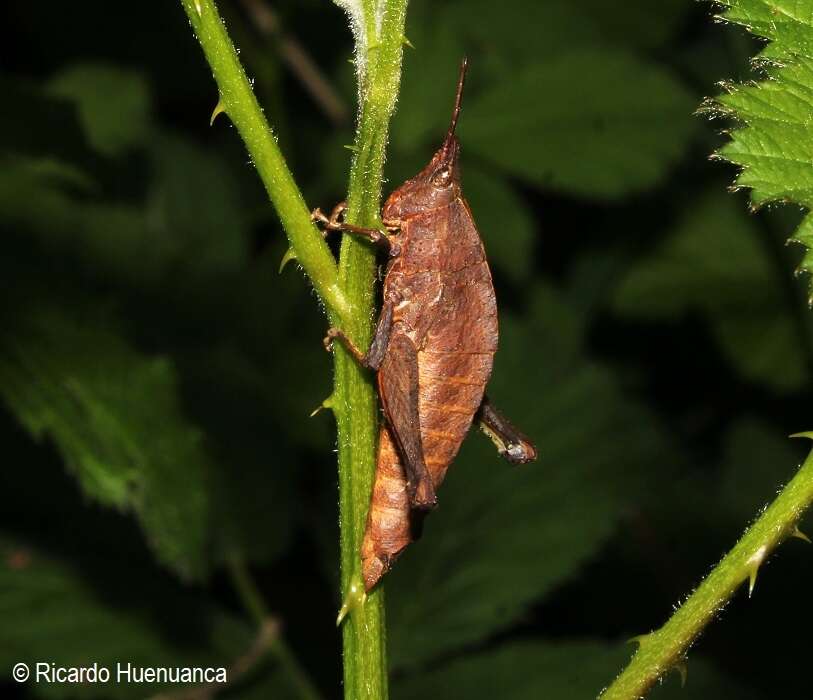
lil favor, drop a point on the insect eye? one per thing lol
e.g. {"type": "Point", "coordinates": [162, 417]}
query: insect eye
{"type": "Point", "coordinates": [442, 177]}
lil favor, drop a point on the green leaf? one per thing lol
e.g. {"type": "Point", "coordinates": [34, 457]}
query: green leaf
{"type": "Point", "coordinates": [503, 537]}
{"type": "Point", "coordinates": [504, 221]}
{"type": "Point", "coordinates": [39, 126]}
{"type": "Point", "coordinates": [773, 141]}
{"type": "Point", "coordinates": [114, 415]}
{"type": "Point", "coordinates": [193, 222]}
{"type": "Point", "coordinates": [555, 26]}
{"type": "Point", "coordinates": [113, 105]}
{"type": "Point", "coordinates": [494, 41]}
{"type": "Point", "coordinates": [714, 262]}
{"type": "Point", "coordinates": [72, 221]}
{"type": "Point", "coordinates": [498, 41]}
{"type": "Point", "coordinates": [788, 24]}
{"type": "Point", "coordinates": [527, 32]}
{"type": "Point", "coordinates": [593, 123]}
{"type": "Point", "coordinates": [192, 236]}
{"type": "Point", "coordinates": [569, 670]}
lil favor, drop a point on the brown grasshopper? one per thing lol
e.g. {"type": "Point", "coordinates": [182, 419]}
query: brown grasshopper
{"type": "Point", "coordinates": [433, 349]}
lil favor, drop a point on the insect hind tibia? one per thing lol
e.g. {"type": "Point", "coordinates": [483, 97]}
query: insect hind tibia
{"type": "Point", "coordinates": [510, 442]}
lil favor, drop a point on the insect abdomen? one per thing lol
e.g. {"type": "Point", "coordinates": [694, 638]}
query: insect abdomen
{"type": "Point", "coordinates": [388, 522]}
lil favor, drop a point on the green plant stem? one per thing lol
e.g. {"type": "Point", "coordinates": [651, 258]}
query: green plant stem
{"type": "Point", "coordinates": [237, 100]}
{"type": "Point", "coordinates": [665, 648]}
{"type": "Point", "coordinates": [254, 604]}
{"type": "Point", "coordinates": [354, 399]}
{"type": "Point", "coordinates": [348, 291]}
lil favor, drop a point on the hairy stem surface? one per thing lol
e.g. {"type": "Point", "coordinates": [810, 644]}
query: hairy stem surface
{"type": "Point", "coordinates": [348, 291]}
{"type": "Point", "coordinates": [237, 100]}
{"type": "Point", "coordinates": [354, 401]}
{"type": "Point", "coordinates": [665, 648]}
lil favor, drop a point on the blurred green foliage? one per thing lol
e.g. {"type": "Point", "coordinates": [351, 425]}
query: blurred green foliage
{"type": "Point", "coordinates": [157, 373]}
{"type": "Point", "coordinates": [711, 264]}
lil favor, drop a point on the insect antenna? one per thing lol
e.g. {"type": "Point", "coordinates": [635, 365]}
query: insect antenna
{"type": "Point", "coordinates": [458, 98]}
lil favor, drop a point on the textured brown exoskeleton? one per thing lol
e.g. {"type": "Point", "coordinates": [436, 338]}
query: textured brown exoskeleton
{"type": "Point", "coordinates": [433, 349]}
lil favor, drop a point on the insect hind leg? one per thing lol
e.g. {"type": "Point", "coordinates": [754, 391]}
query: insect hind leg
{"type": "Point", "coordinates": [510, 442]}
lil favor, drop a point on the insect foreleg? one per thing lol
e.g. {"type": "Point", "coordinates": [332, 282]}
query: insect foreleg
{"type": "Point", "coordinates": [511, 444]}
{"type": "Point", "coordinates": [334, 222]}
{"type": "Point", "coordinates": [331, 223]}
{"type": "Point", "coordinates": [374, 356]}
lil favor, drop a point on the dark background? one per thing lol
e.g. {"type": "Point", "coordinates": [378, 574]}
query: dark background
{"type": "Point", "coordinates": [157, 373]}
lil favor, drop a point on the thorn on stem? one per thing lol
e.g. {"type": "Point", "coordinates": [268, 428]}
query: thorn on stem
{"type": "Point", "coordinates": [640, 640]}
{"type": "Point", "coordinates": [220, 108]}
{"type": "Point", "coordinates": [753, 563]}
{"type": "Point", "coordinates": [327, 403]}
{"type": "Point", "coordinates": [355, 598]}
{"type": "Point", "coordinates": [290, 254]}
{"type": "Point", "coordinates": [799, 535]}
{"type": "Point", "coordinates": [752, 579]}
{"type": "Point", "coordinates": [682, 667]}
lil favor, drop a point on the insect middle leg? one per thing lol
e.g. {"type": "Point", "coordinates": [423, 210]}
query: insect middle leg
{"type": "Point", "coordinates": [373, 358]}
{"type": "Point", "coordinates": [510, 442]}
{"type": "Point", "coordinates": [398, 385]}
